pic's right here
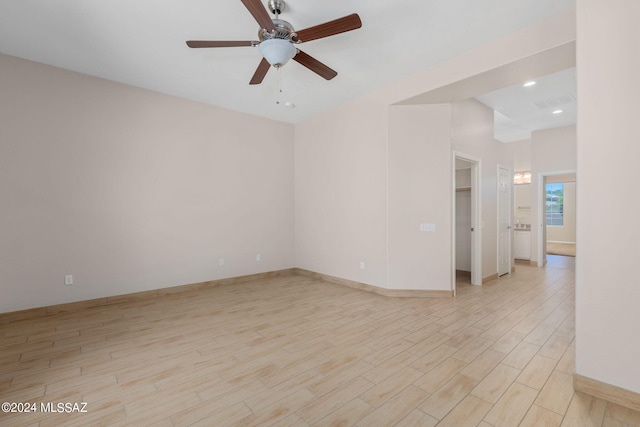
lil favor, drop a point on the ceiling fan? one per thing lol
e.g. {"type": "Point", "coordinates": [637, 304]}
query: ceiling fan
{"type": "Point", "coordinates": [277, 39]}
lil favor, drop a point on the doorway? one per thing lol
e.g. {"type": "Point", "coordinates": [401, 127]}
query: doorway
{"type": "Point", "coordinates": [463, 222]}
{"type": "Point", "coordinates": [466, 248]}
{"type": "Point", "coordinates": [557, 215]}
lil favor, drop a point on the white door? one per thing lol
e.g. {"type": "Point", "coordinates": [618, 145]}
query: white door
{"type": "Point", "coordinates": [504, 221]}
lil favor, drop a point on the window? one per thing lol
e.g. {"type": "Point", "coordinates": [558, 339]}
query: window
{"type": "Point", "coordinates": [555, 204]}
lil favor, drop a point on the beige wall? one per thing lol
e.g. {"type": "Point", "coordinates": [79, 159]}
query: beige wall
{"type": "Point", "coordinates": [362, 192]}
{"type": "Point", "coordinates": [130, 190]}
{"type": "Point", "coordinates": [521, 155]}
{"type": "Point", "coordinates": [553, 150]}
{"type": "Point", "coordinates": [341, 192]}
{"type": "Point", "coordinates": [607, 291]}
{"type": "Point", "coordinates": [521, 152]}
{"type": "Point", "coordinates": [420, 193]}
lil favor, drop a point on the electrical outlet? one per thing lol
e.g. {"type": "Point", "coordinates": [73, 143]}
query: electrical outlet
{"type": "Point", "coordinates": [258, 257]}
{"type": "Point", "coordinates": [221, 261]}
{"type": "Point", "coordinates": [361, 265]}
{"type": "Point", "coordinates": [68, 280]}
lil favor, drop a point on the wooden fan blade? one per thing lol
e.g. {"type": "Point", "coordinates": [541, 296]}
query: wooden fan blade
{"type": "Point", "coordinates": [337, 26]}
{"type": "Point", "coordinates": [261, 71]}
{"type": "Point", "coordinates": [314, 65]}
{"type": "Point", "coordinates": [259, 13]}
{"type": "Point", "coordinates": [211, 43]}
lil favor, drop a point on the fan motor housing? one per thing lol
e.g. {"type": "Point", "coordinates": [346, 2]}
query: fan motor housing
{"type": "Point", "coordinates": [284, 30]}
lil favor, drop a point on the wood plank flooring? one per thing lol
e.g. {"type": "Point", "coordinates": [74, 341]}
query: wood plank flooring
{"type": "Point", "coordinates": [566, 249]}
{"type": "Point", "coordinates": [294, 351]}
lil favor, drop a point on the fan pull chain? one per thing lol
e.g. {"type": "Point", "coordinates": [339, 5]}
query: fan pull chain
{"type": "Point", "coordinates": [279, 69]}
{"type": "Point", "coordinates": [279, 99]}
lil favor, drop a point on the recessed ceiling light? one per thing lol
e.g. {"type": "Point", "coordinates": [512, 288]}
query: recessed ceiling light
{"type": "Point", "coordinates": [529, 84]}
{"type": "Point", "coordinates": [557, 112]}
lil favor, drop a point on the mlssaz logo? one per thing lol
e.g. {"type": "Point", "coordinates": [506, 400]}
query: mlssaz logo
{"type": "Point", "coordinates": [62, 407]}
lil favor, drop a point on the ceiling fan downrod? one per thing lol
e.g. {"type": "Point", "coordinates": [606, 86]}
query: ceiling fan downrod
{"type": "Point", "coordinates": [276, 7]}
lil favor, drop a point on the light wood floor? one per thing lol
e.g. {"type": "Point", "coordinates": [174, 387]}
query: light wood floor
{"type": "Point", "coordinates": [294, 351]}
{"type": "Point", "coordinates": [566, 249]}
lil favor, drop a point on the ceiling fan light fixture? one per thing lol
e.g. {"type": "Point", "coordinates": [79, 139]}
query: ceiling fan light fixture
{"type": "Point", "coordinates": [277, 39]}
{"type": "Point", "coordinates": [277, 51]}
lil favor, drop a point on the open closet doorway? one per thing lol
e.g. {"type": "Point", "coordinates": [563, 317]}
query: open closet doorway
{"type": "Point", "coordinates": [467, 253]}
{"type": "Point", "coordinates": [558, 215]}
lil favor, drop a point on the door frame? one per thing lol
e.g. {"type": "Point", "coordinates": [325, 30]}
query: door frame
{"type": "Point", "coordinates": [476, 218]}
{"type": "Point", "coordinates": [541, 249]}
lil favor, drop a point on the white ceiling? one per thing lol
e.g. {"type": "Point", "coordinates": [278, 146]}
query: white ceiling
{"type": "Point", "coordinates": [142, 43]}
{"type": "Point", "coordinates": [519, 110]}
